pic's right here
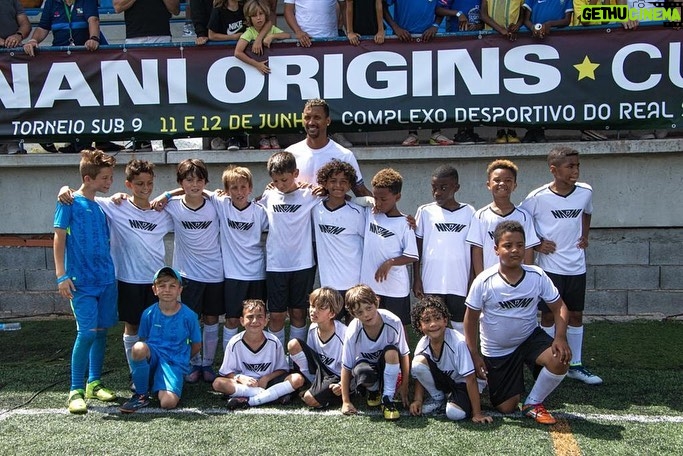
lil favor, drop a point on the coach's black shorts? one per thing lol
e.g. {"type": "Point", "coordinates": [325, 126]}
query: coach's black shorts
{"type": "Point", "coordinates": [237, 291]}
{"type": "Point", "coordinates": [572, 290]}
{"type": "Point", "coordinates": [455, 305]}
{"type": "Point", "coordinates": [133, 299]}
{"type": "Point", "coordinates": [398, 306]}
{"type": "Point", "coordinates": [289, 290]}
{"type": "Point", "coordinates": [204, 298]}
{"type": "Point", "coordinates": [506, 374]}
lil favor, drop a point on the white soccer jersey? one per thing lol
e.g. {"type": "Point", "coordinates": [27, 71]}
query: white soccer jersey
{"type": "Point", "coordinates": [454, 360]}
{"type": "Point", "coordinates": [445, 256]}
{"type": "Point", "coordinates": [309, 161]}
{"type": "Point", "coordinates": [508, 311]}
{"type": "Point", "coordinates": [244, 252]}
{"type": "Point", "coordinates": [484, 223]}
{"type": "Point", "coordinates": [136, 239]}
{"type": "Point", "coordinates": [339, 243]}
{"type": "Point", "coordinates": [289, 246]}
{"type": "Point", "coordinates": [329, 351]}
{"type": "Point", "coordinates": [240, 359]}
{"type": "Point", "coordinates": [359, 347]}
{"type": "Point", "coordinates": [559, 219]}
{"type": "Point", "coordinates": [385, 238]}
{"type": "Point", "coordinates": [197, 249]}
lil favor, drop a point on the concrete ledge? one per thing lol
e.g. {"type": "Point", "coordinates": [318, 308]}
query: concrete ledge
{"type": "Point", "coordinates": [33, 303]}
{"type": "Point", "coordinates": [647, 302]}
{"type": "Point", "coordinates": [627, 277]}
{"type": "Point", "coordinates": [671, 278]}
{"type": "Point", "coordinates": [23, 258]}
{"type": "Point", "coordinates": [622, 250]}
{"type": "Point", "coordinates": [12, 279]}
{"type": "Point", "coordinates": [606, 303]}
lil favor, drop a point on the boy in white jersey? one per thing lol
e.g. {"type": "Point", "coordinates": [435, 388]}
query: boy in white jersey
{"type": "Point", "coordinates": [197, 256]}
{"type": "Point", "coordinates": [443, 366]}
{"type": "Point", "coordinates": [242, 224]}
{"type": "Point", "coordinates": [170, 335]}
{"type": "Point", "coordinates": [501, 181]}
{"type": "Point", "coordinates": [135, 228]}
{"type": "Point", "coordinates": [389, 246]}
{"type": "Point", "coordinates": [375, 354]}
{"type": "Point", "coordinates": [319, 356]}
{"type": "Point", "coordinates": [502, 304]}
{"type": "Point", "coordinates": [443, 266]}
{"type": "Point", "coordinates": [290, 266]}
{"type": "Point", "coordinates": [561, 211]}
{"type": "Point", "coordinates": [339, 227]}
{"type": "Point", "coordinates": [254, 369]}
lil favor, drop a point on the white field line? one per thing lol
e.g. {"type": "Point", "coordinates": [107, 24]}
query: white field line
{"type": "Point", "coordinates": [645, 419]}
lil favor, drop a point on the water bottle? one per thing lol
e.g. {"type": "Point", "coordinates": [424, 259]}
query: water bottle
{"type": "Point", "coordinates": [10, 326]}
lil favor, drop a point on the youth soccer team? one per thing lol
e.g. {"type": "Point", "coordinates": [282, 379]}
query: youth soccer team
{"type": "Point", "coordinates": [478, 290]}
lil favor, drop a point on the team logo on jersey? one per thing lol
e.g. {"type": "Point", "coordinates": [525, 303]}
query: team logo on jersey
{"type": "Point", "coordinates": [449, 227]}
{"type": "Point", "coordinates": [257, 367]}
{"type": "Point", "coordinates": [516, 303]}
{"type": "Point", "coordinates": [241, 226]}
{"type": "Point", "coordinates": [142, 225]}
{"type": "Point", "coordinates": [196, 225]}
{"type": "Point", "coordinates": [491, 234]}
{"type": "Point", "coordinates": [566, 213]}
{"type": "Point", "coordinates": [372, 357]}
{"type": "Point", "coordinates": [286, 207]}
{"type": "Point", "coordinates": [328, 361]}
{"type": "Point", "coordinates": [331, 229]}
{"type": "Point", "coordinates": [385, 233]}
{"type": "Point", "coordinates": [449, 373]}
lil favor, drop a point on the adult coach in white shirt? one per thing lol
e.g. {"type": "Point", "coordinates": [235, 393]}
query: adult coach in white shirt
{"type": "Point", "coordinates": [318, 149]}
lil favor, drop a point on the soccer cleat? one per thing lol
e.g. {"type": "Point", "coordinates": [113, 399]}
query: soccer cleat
{"type": "Point", "coordinates": [264, 144]}
{"type": "Point", "coordinates": [411, 140]}
{"type": "Point", "coordinates": [77, 403]}
{"type": "Point", "coordinates": [208, 375]}
{"type": "Point", "coordinates": [579, 372]}
{"type": "Point", "coordinates": [233, 144]}
{"type": "Point", "coordinates": [274, 143]}
{"type": "Point", "coordinates": [169, 144]}
{"type": "Point", "coordinates": [538, 413]}
{"type": "Point", "coordinates": [142, 146]}
{"type": "Point", "coordinates": [512, 136]}
{"type": "Point", "coordinates": [235, 403]}
{"type": "Point", "coordinates": [188, 29]}
{"type": "Point", "coordinates": [193, 376]}
{"type": "Point", "coordinates": [433, 405]}
{"type": "Point", "coordinates": [95, 390]}
{"type": "Point", "coordinates": [373, 398]}
{"type": "Point", "coordinates": [135, 403]}
{"type": "Point", "coordinates": [437, 139]}
{"type": "Point", "coordinates": [501, 136]}
{"type": "Point", "coordinates": [389, 409]}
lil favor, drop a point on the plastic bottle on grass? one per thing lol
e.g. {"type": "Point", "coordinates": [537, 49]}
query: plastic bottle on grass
{"type": "Point", "coordinates": [10, 326]}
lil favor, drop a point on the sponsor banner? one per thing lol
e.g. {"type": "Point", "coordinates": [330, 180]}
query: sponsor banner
{"type": "Point", "coordinates": [597, 78]}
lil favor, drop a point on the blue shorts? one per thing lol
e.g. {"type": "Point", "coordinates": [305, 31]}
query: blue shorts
{"type": "Point", "coordinates": [95, 307]}
{"type": "Point", "coordinates": [164, 376]}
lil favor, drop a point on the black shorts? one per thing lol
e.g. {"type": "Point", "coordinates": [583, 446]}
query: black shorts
{"type": "Point", "coordinates": [455, 305]}
{"type": "Point", "coordinates": [289, 290]}
{"type": "Point", "coordinates": [506, 374]}
{"type": "Point", "coordinates": [398, 306]}
{"type": "Point", "coordinates": [133, 299]}
{"type": "Point", "coordinates": [455, 392]}
{"type": "Point", "coordinates": [367, 374]}
{"type": "Point", "coordinates": [203, 298]}
{"type": "Point", "coordinates": [572, 289]}
{"type": "Point", "coordinates": [237, 291]}
{"type": "Point", "coordinates": [324, 378]}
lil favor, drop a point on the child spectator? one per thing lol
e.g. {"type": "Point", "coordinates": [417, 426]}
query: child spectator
{"type": "Point", "coordinates": [254, 369]}
{"type": "Point", "coordinates": [364, 18]}
{"type": "Point", "coordinates": [319, 357]}
{"type": "Point", "coordinates": [443, 366]}
{"type": "Point", "coordinates": [502, 304]}
{"type": "Point", "coordinates": [85, 275]}
{"type": "Point", "coordinates": [501, 182]}
{"type": "Point", "coordinates": [389, 246]}
{"type": "Point", "coordinates": [242, 224]}
{"type": "Point", "coordinates": [443, 267]}
{"type": "Point", "coordinates": [170, 335]}
{"type": "Point", "coordinates": [375, 354]}
{"type": "Point", "coordinates": [290, 272]}
{"type": "Point", "coordinates": [199, 12]}
{"type": "Point", "coordinates": [415, 18]}
{"type": "Point", "coordinates": [197, 256]}
{"type": "Point", "coordinates": [339, 227]}
{"type": "Point", "coordinates": [256, 13]}
{"type": "Point", "coordinates": [561, 211]}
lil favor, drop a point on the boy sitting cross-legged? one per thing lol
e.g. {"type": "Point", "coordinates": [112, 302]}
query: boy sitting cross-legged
{"type": "Point", "coordinates": [375, 353]}
{"type": "Point", "coordinates": [254, 370]}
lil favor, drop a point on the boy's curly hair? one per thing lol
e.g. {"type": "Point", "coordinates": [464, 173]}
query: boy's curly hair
{"type": "Point", "coordinates": [429, 302]}
{"type": "Point", "coordinates": [388, 178]}
{"type": "Point", "coordinates": [136, 167]}
{"type": "Point", "coordinates": [333, 167]}
{"type": "Point", "coordinates": [502, 164]}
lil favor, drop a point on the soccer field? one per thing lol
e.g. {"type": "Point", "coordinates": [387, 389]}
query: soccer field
{"type": "Point", "coordinates": [638, 410]}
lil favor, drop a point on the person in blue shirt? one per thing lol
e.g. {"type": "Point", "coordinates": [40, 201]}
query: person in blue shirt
{"type": "Point", "coordinates": [169, 335]}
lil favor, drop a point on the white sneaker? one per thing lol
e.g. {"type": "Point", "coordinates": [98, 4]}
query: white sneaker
{"type": "Point", "coordinates": [341, 140]}
{"type": "Point", "coordinates": [188, 29]}
{"type": "Point", "coordinates": [582, 374]}
{"type": "Point", "coordinates": [432, 405]}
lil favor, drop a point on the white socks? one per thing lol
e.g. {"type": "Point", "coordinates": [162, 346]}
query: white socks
{"type": "Point", "coordinates": [228, 333]}
{"type": "Point", "coordinates": [128, 342]}
{"type": "Point", "coordinates": [298, 333]}
{"type": "Point", "coordinates": [280, 335]}
{"type": "Point", "coordinates": [246, 391]}
{"type": "Point", "coordinates": [453, 412]}
{"type": "Point", "coordinates": [545, 384]}
{"type": "Point", "coordinates": [272, 393]}
{"type": "Point", "coordinates": [209, 344]}
{"type": "Point", "coordinates": [390, 378]}
{"type": "Point", "coordinates": [575, 341]}
{"type": "Point", "coordinates": [301, 361]}
{"type": "Point", "coordinates": [422, 374]}
{"type": "Point", "coordinates": [549, 330]}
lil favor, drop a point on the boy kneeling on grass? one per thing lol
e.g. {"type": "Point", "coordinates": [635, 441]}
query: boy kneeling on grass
{"type": "Point", "coordinates": [169, 335]}
{"type": "Point", "coordinates": [254, 370]}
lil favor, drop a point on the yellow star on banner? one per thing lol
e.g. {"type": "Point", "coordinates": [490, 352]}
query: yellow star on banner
{"type": "Point", "coordinates": [586, 68]}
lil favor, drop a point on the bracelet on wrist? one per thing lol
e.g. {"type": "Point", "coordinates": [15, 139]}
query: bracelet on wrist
{"type": "Point", "coordinates": [168, 195]}
{"type": "Point", "coordinates": [95, 38]}
{"type": "Point", "coordinates": [62, 279]}
{"type": "Point", "coordinates": [435, 25]}
{"type": "Point", "coordinates": [20, 34]}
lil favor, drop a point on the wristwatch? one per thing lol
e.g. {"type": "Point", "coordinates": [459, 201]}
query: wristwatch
{"type": "Point", "coordinates": [458, 14]}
